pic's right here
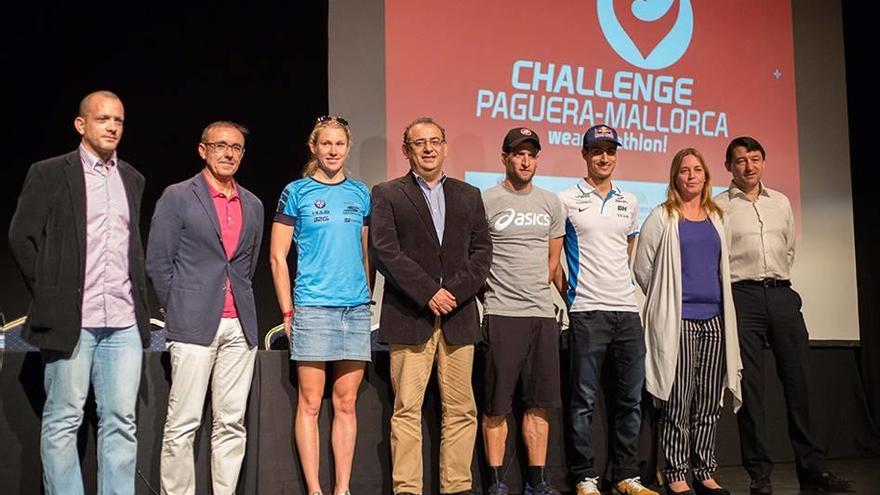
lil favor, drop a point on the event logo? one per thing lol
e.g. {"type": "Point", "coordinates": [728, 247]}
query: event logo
{"type": "Point", "coordinates": [667, 51]}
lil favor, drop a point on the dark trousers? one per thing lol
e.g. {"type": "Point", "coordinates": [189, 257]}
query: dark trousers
{"type": "Point", "coordinates": [773, 315]}
{"type": "Point", "coordinates": [593, 334]}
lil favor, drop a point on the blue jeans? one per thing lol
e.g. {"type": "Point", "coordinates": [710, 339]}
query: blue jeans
{"type": "Point", "coordinates": [111, 360]}
{"type": "Point", "coordinates": [595, 333]}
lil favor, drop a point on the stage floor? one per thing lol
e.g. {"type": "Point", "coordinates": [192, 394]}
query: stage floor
{"type": "Point", "coordinates": [865, 474]}
{"type": "Point", "coordinates": [841, 421]}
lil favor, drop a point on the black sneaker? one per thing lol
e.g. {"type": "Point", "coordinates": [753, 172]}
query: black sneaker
{"type": "Point", "coordinates": [498, 489]}
{"type": "Point", "coordinates": [760, 486]}
{"type": "Point", "coordinates": [542, 488]}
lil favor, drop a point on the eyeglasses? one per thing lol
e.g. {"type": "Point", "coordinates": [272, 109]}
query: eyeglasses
{"type": "Point", "coordinates": [221, 147]}
{"type": "Point", "coordinates": [421, 143]}
{"type": "Point", "coordinates": [331, 118]}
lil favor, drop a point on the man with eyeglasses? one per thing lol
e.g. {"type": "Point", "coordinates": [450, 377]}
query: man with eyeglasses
{"type": "Point", "coordinates": [430, 240]}
{"type": "Point", "coordinates": [76, 240]}
{"type": "Point", "coordinates": [600, 232]}
{"type": "Point", "coordinates": [201, 256]}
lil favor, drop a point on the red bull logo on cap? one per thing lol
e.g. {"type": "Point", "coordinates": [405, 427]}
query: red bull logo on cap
{"type": "Point", "coordinates": [604, 132]}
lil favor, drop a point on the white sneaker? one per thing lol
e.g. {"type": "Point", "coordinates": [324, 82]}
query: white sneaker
{"type": "Point", "coordinates": [590, 486]}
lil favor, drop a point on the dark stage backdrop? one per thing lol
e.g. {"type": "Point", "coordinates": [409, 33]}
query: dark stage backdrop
{"type": "Point", "coordinates": [176, 71]}
{"type": "Point", "coordinates": [860, 38]}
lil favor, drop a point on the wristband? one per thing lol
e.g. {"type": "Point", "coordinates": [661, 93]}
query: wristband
{"type": "Point", "coordinates": [287, 314]}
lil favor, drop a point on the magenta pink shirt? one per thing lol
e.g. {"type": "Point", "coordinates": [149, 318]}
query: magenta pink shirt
{"type": "Point", "coordinates": [107, 300]}
{"type": "Point", "coordinates": [229, 215]}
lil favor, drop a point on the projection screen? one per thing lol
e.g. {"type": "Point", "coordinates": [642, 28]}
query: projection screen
{"type": "Point", "coordinates": [667, 74]}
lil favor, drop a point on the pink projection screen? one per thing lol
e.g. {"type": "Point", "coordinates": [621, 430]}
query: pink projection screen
{"type": "Point", "coordinates": [667, 74]}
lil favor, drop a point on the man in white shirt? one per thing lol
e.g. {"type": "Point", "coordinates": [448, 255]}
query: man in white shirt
{"type": "Point", "coordinates": [600, 230]}
{"type": "Point", "coordinates": [761, 234]}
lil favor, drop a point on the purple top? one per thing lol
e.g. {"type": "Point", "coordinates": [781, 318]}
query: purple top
{"type": "Point", "coordinates": [107, 299]}
{"type": "Point", "coordinates": [700, 270]}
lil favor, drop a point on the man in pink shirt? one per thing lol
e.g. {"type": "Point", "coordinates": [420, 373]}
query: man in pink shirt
{"type": "Point", "coordinates": [76, 240]}
{"type": "Point", "coordinates": [201, 256]}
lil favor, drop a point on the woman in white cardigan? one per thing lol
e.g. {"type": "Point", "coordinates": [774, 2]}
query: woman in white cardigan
{"type": "Point", "coordinates": [690, 326]}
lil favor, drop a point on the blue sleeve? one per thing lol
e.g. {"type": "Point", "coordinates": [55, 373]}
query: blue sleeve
{"type": "Point", "coordinates": [287, 210]}
{"type": "Point", "coordinates": [367, 205]}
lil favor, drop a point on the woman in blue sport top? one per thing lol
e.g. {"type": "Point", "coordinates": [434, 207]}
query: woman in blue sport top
{"type": "Point", "coordinates": [690, 325]}
{"type": "Point", "coordinates": [326, 215]}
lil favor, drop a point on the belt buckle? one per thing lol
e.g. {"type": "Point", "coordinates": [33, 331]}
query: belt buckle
{"type": "Point", "coordinates": [769, 282]}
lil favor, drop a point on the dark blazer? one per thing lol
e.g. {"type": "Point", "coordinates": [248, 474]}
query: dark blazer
{"type": "Point", "coordinates": [47, 237]}
{"type": "Point", "coordinates": [405, 249]}
{"type": "Point", "coordinates": [188, 265]}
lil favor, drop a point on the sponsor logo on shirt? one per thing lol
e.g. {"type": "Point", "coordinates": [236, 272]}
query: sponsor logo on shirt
{"type": "Point", "coordinates": [320, 214]}
{"type": "Point", "coordinates": [584, 203]}
{"type": "Point", "coordinates": [351, 210]}
{"type": "Point", "coordinates": [510, 217]}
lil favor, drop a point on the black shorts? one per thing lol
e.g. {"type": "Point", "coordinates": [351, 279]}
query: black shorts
{"type": "Point", "coordinates": [521, 348]}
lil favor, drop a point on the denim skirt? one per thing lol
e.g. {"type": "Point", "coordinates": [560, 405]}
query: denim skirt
{"type": "Point", "coordinates": [330, 333]}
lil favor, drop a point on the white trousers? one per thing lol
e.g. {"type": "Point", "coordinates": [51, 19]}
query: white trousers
{"type": "Point", "coordinates": [228, 366]}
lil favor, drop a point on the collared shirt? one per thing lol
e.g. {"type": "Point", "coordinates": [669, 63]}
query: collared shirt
{"type": "Point", "coordinates": [229, 215]}
{"type": "Point", "coordinates": [597, 233]}
{"type": "Point", "coordinates": [107, 293]}
{"type": "Point", "coordinates": [436, 202]}
{"type": "Point", "coordinates": [760, 234]}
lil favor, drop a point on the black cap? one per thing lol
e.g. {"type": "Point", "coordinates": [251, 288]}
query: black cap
{"type": "Point", "coordinates": [518, 135]}
{"type": "Point", "coordinates": [598, 134]}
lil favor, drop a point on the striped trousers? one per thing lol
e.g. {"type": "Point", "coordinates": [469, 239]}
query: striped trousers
{"type": "Point", "coordinates": [689, 419]}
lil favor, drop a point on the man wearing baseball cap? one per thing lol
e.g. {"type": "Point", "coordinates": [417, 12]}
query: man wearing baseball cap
{"type": "Point", "coordinates": [520, 327]}
{"type": "Point", "coordinates": [600, 231]}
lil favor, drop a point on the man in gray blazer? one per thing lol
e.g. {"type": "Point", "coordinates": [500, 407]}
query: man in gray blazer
{"type": "Point", "coordinates": [201, 256]}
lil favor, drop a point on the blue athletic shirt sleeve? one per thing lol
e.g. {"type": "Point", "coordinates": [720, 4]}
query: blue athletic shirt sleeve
{"type": "Point", "coordinates": [367, 204]}
{"type": "Point", "coordinates": [287, 210]}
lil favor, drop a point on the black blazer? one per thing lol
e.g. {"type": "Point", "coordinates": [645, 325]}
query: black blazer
{"type": "Point", "coordinates": [405, 249]}
{"type": "Point", "coordinates": [47, 237]}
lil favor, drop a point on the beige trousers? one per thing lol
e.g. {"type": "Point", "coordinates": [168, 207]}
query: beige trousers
{"type": "Point", "coordinates": [228, 365]}
{"type": "Point", "coordinates": [410, 370]}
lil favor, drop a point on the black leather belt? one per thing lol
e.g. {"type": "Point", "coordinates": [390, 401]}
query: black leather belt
{"type": "Point", "coordinates": [767, 282]}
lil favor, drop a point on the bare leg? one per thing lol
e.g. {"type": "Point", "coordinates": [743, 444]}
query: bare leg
{"type": "Point", "coordinates": [311, 377]}
{"type": "Point", "coordinates": [495, 439]}
{"type": "Point", "coordinates": [348, 377]}
{"type": "Point", "coordinates": [535, 431]}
